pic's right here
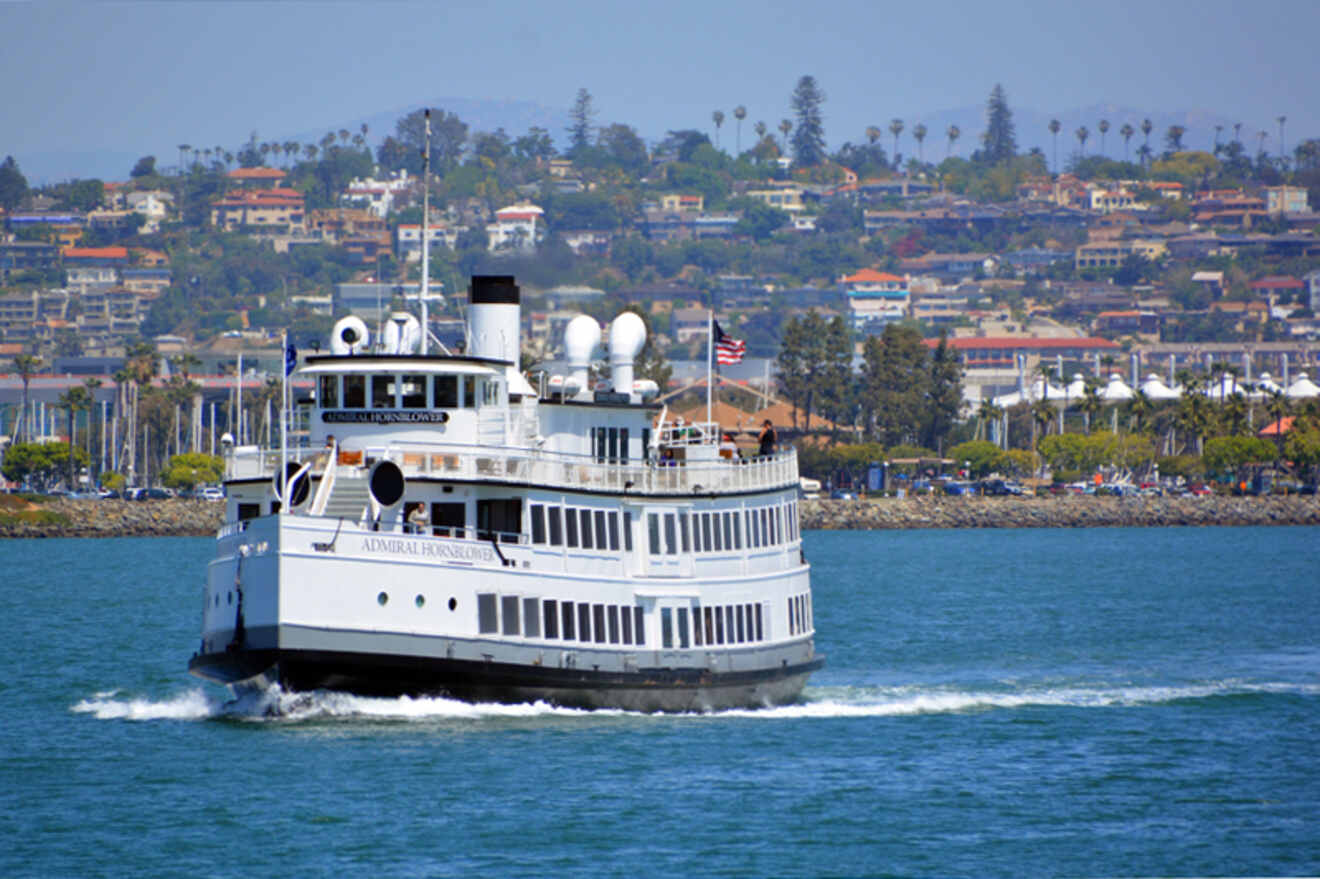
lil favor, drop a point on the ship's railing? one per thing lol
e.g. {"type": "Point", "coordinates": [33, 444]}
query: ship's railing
{"type": "Point", "coordinates": [554, 469]}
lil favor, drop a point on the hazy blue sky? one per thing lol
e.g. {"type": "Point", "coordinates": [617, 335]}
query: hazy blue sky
{"type": "Point", "coordinates": [135, 78]}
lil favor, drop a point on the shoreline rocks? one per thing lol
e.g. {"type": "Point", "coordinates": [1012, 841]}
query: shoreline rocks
{"type": "Point", "coordinates": [1057, 512]}
{"type": "Point", "coordinates": [195, 518]}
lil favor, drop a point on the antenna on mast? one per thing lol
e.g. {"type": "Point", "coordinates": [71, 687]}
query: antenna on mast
{"type": "Point", "coordinates": [426, 240]}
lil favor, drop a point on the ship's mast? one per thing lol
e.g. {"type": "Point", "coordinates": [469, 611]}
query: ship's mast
{"type": "Point", "coordinates": [426, 216]}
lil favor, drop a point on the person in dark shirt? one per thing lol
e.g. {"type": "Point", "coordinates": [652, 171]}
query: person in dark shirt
{"type": "Point", "coordinates": [767, 438]}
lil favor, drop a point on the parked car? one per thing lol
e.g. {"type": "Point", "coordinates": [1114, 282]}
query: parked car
{"type": "Point", "coordinates": [211, 493]}
{"type": "Point", "coordinates": [151, 494]}
{"type": "Point", "coordinates": [842, 494]}
{"type": "Point", "coordinates": [1000, 488]}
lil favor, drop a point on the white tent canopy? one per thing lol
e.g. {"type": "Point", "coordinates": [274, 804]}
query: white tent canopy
{"type": "Point", "coordinates": [1265, 386]}
{"type": "Point", "coordinates": [1154, 389]}
{"type": "Point", "coordinates": [1225, 387]}
{"type": "Point", "coordinates": [1116, 391]}
{"type": "Point", "coordinates": [1303, 388]}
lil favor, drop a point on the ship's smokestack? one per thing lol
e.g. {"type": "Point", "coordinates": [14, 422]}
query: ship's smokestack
{"type": "Point", "coordinates": [494, 315]}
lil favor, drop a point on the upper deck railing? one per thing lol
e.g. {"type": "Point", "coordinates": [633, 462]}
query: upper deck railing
{"type": "Point", "coordinates": [539, 468]}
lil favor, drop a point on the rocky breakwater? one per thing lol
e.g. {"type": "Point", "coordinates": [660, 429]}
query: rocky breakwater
{"type": "Point", "coordinates": [110, 518]}
{"type": "Point", "coordinates": [1057, 512]}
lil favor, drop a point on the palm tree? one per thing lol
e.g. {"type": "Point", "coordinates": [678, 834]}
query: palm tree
{"type": "Point", "coordinates": [1146, 128]}
{"type": "Point", "coordinates": [73, 401]}
{"type": "Point", "coordinates": [1082, 134]}
{"type": "Point", "coordinates": [1138, 409]}
{"type": "Point", "coordinates": [183, 148]}
{"type": "Point", "coordinates": [785, 126]}
{"type": "Point", "coordinates": [1126, 131]}
{"type": "Point", "coordinates": [953, 133]}
{"type": "Point", "coordinates": [919, 132]}
{"type": "Point", "coordinates": [1237, 132]}
{"type": "Point", "coordinates": [718, 118]}
{"type": "Point", "coordinates": [343, 135]}
{"type": "Point", "coordinates": [291, 150]}
{"type": "Point", "coordinates": [1173, 138]}
{"type": "Point", "coordinates": [229, 159]}
{"type": "Point", "coordinates": [760, 128]}
{"type": "Point", "coordinates": [1104, 129]}
{"type": "Point", "coordinates": [1219, 129]}
{"type": "Point", "coordinates": [1042, 414]}
{"type": "Point", "coordinates": [1262, 135]}
{"type": "Point", "coordinates": [896, 128]}
{"type": "Point", "coordinates": [27, 365]}
{"type": "Point", "coordinates": [1277, 407]}
{"type": "Point", "coordinates": [739, 114]}
{"type": "Point", "coordinates": [1055, 127]}
{"type": "Point", "coordinates": [1282, 150]}
{"type": "Point", "coordinates": [91, 384]}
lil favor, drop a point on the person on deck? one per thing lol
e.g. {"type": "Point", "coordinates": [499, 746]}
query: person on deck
{"type": "Point", "coordinates": [418, 520]}
{"type": "Point", "coordinates": [767, 439]}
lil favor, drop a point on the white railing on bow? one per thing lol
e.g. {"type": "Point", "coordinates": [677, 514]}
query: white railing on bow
{"type": "Point", "coordinates": [555, 469]}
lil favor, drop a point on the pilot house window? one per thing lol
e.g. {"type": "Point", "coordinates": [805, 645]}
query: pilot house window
{"type": "Point", "coordinates": [382, 392]}
{"type": "Point", "coordinates": [355, 391]}
{"type": "Point", "coordinates": [413, 392]}
{"type": "Point", "coordinates": [446, 391]}
{"type": "Point", "coordinates": [329, 391]}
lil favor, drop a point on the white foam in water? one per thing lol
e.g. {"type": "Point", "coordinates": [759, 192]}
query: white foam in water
{"type": "Point", "coordinates": [275, 704]}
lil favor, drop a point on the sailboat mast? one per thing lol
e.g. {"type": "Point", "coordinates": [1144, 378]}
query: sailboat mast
{"type": "Point", "coordinates": [426, 216]}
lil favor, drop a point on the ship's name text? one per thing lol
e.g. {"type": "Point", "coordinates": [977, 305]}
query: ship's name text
{"type": "Point", "coordinates": [428, 549]}
{"type": "Point", "coordinates": [373, 416]}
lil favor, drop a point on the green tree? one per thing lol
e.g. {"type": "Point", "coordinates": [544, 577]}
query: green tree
{"type": "Point", "coordinates": [449, 135]}
{"type": "Point", "coordinates": [13, 185]}
{"type": "Point", "coordinates": [813, 358]}
{"type": "Point", "coordinates": [760, 220]}
{"type": "Point", "coordinates": [983, 457]}
{"type": "Point", "coordinates": [895, 385]}
{"type": "Point", "coordinates": [620, 147]}
{"type": "Point", "coordinates": [144, 167]}
{"type": "Point", "coordinates": [1225, 454]}
{"type": "Point", "coordinates": [192, 469]}
{"type": "Point", "coordinates": [73, 401]}
{"type": "Point", "coordinates": [40, 464]}
{"type": "Point", "coordinates": [579, 129]}
{"type": "Point", "coordinates": [809, 133]}
{"type": "Point", "coordinates": [946, 393]}
{"type": "Point", "coordinates": [1000, 137]}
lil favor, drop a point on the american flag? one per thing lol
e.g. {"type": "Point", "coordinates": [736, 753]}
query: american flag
{"type": "Point", "coordinates": [727, 348]}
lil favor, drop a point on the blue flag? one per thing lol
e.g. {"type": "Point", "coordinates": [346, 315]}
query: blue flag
{"type": "Point", "coordinates": [290, 359]}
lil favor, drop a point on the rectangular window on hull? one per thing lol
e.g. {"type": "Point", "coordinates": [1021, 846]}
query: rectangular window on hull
{"type": "Point", "coordinates": [705, 532]}
{"type": "Point", "coordinates": [509, 614]}
{"type": "Point", "coordinates": [601, 538]}
{"type": "Point", "coordinates": [760, 632]}
{"type": "Point", "coordinates": [627, 625]}
{"type": "Point", "coordinates": [584, 621]}
{"type": "Point", "coordinates": [683, 627]}
{"type": "Point", "coordinates": [587, 542]}
{"type": "Point", "coordinates": [550, 616]}
{"type": "Point", "coordinates": [627, 532]}
{"type": "Point", "coordinates": [487, 621]}
{"type": "Point", "coordinates": [696, 626]}
{"type": "Point", "coordinates": [671, 536]}
{"type": "Point", "coordinates": [556, 527]}
{"type": "Point", "coordinates": [666, 627]}
{"type": "Point", "coordinates": [737, 530]}
{"type": "Point", "coordinates": [728, 530]}
{"type": "Point", "coordinates": [567, 618]}
{"type": "Point", "coordinates": [639, 628]}
{"type": "Point", "coordinates": [531, 619]}
{"type": "Point", "coordinates": [538, 524]}
{"type": "Point", "coordinates": [571, 527]}
{"type": "Point", "coordinates": [614, 531]}
{"type": "Point", "coordinates": [614, 624]}
{"type": "Point", "coordinates": [598, 622]}
{"type": "Point", "coordinates": [683, 530]}
{"type": "Point", "coordinates": [653, 532]}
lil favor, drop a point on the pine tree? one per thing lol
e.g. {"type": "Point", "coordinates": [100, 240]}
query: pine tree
{"type": "Point", "coordinates": [579, 132]}
{"type": "Point", "coordinates": [1000, 137]}
{"type": "Point", "coordinates": [13, 185]}
{"type": "Point", "coordinates": [945, 394]}
{"type": "Point", "coordinates": [809, 133]}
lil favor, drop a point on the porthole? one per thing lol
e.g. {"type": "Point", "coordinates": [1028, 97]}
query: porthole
{"type": "Point", "coordinates": [382, 599]}
{"type": "Point", "coordinates": [453, 603]}
{"type": "Point", "coordinates": [420, 600]}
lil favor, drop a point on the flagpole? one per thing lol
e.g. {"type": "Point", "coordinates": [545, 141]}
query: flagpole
{"type": "Point", "coordinates": [284, 419]}
{"type": "Point", "coordinates": [710, 360]}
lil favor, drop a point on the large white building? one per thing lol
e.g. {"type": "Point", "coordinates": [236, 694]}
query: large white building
{"type": "Point", "coordinates": [517, 227]}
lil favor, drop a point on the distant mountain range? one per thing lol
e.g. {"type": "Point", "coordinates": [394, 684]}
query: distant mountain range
{"type": "Point", "coordinates": [515, 117]}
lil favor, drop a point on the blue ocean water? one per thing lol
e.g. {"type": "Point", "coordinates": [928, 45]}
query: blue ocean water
{"type": "Point", "coordinates": [996, 703]}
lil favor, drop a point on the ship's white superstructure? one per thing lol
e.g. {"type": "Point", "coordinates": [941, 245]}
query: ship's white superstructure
{"type": "Point", "coordinates": [451, 529]}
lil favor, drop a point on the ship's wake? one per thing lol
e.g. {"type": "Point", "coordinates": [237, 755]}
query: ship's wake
{"type": "Point", "coordinates": [819, 702]}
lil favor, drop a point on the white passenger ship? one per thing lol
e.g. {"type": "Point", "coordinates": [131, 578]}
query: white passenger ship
{"type": "Point", "coordinates": [579, 547]}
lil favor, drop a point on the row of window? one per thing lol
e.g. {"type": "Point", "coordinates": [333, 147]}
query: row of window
{"type": "Point", "coordinates": [722, 530]}
{"type": "Point", "coordinates": [576, 527]}
{"type": "Point", "coordinates": [390, 391]}
{"type": "Point", "coordinates": [799, 614]}
{"type": "Point", "coordinates": [554, 620]}
{"type": "Point", "coordinates": [681, 627]}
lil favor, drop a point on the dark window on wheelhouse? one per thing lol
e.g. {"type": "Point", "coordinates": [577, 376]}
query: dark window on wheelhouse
{"type": "Point", "coordinates": [355, 391]}
{"type": "Point", "coordinates": [499, 519]}
{"type": "Point", "coordinates": [571, 528]}
{"type": "Point", "coordinates": [469, 400]}
{"type": "Point", "coordinates": [627, 531]}
{"type": "Point", "coordinates": [705, 532]}
{"type": "Point", "coordinates": [444, 391]}
{"type": "Point", "coordinates": [248, 511]}
{"type": "Point", "coordinates": [538, 524]}
{"type": "Point", "coordinates": [382, 392]}
{"type": "Point", "coordinates": [412, 392]}
{"type": "Point", "coordinates": [653, 532]}
{"type": "Point", "coordinates": [550, 616]}
{"type": "Point", "coordinates": [671, 535]}
{"type": "Point", "coordinates": [737, 530]}
{"type": "Point", "coordinates": [556, 527]}
{"type": "Point", "coordinates": [602, 540]}
{"type": "Point", "coordinates": [715, 529]}
{"type": "Point", "coordinates": [683, 531]}
{"type": "Point", "coordinates": [614, 530]}
{"type": "Point", "coordinates": [728, 530]}
{"type": "Point", "coordinates": [328, 391]}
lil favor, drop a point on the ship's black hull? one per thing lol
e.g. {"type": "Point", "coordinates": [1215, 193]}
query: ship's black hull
{"type": "Point", "coordinates": [389, 675]}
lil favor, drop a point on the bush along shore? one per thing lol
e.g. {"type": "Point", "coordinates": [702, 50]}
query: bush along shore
{"type": "Point", "coordinates": [1057, 512]}
{"type": "Point", "coordinates": [195, 518]}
